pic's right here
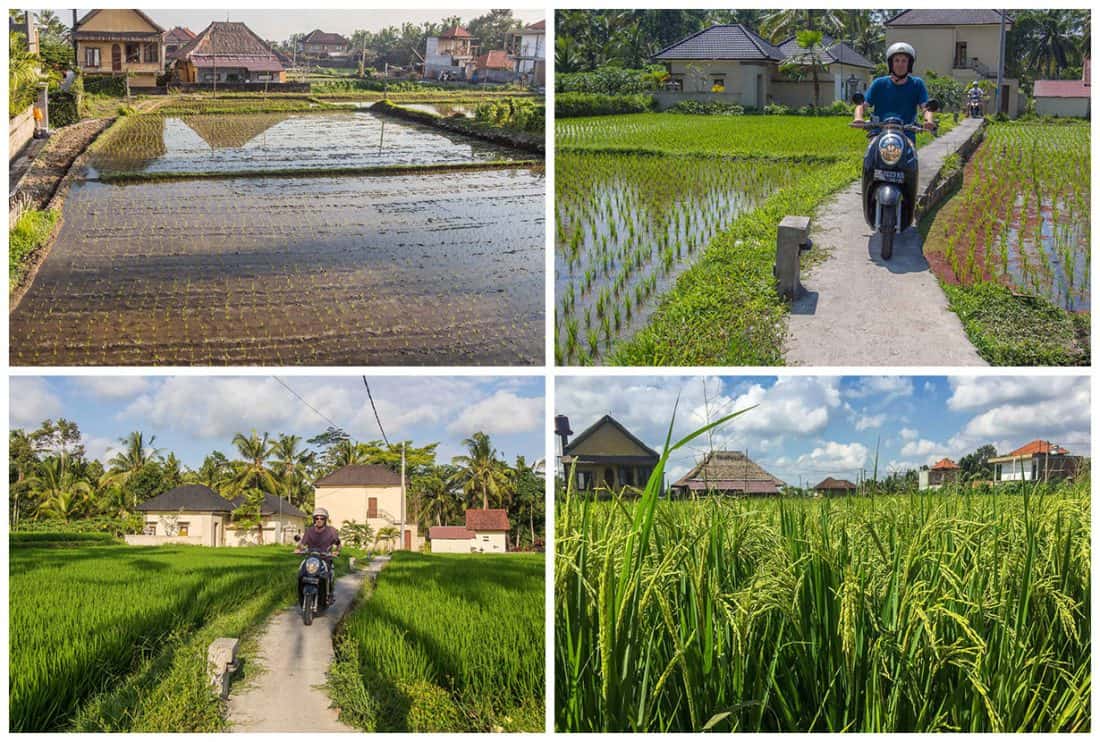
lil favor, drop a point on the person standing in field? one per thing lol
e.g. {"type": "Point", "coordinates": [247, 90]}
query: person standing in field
{"type": "Point", "coordinates": [900, 94]}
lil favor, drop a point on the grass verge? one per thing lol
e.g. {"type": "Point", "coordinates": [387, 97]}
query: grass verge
{"type": "Point", "coordinates": [31, 232]}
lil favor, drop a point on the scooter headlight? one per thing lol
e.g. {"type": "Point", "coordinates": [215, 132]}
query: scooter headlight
{"type": "Point", "coordinates": [313, 565]}
{"type": "Point", "coordinates": [890, 147]}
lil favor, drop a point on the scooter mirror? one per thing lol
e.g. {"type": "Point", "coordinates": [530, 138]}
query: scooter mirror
{"type": "Point", "coordinates": [932, 105]}
{"type": "Point", "coordinates": [857, 98]}
{"type": "Point", "coordinates": [297, 538]}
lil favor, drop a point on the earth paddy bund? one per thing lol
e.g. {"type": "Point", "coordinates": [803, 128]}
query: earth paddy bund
{"type": "Point", "coordinates": [320, 238]}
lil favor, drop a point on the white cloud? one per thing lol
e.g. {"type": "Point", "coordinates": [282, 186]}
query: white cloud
{"type": "Point", "coordinates": [502, 413]}
{"type": "Point", "coordinates": [889, 387]}
{"type": "Point", "coordinates": [870, 422]}
{"type": "Point", "coordinates": [925, 448]}
{"type": "Point", "coordinates": [31, 401]}
{"type": "Point", "coordinates": [114, 387]}
{"type": "Point", "coordinates": [983, 392]}
{"type": "Point", "coordinates": [835, 456]}
{"type": "Point", "coordinates": [908, 434]}
{"type": "Point", "coordinates": [101, 449]}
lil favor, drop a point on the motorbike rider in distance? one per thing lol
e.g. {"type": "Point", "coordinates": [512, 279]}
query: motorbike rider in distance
{"type": "Point", "coordinates": [974, 98]}
{"type": "Point", "coordinates": [324, 538]}
{"type": "Point", "coordinates": [900, 94]}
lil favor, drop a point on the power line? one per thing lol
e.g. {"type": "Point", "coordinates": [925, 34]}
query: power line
{"type": "Point", "coordinates": [376, 418]}
{"type": "Point", "coordinates": [307, 404]}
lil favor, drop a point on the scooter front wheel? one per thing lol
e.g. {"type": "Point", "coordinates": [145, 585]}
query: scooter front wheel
{"type": "Point", "coordinates": [888, 232]}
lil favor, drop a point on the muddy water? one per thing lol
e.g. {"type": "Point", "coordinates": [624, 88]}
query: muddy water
{"type": "Point", "coordinates": [439, 270]}
{"type": "Point", "coordinates": [278, 141]}
{"type": "Point", "coordinates": [443, 109]}
{"type": "Point", "coordinates": [1054, 266]}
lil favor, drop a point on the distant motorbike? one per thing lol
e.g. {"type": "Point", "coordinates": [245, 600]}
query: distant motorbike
{"type": "Point", "coordinates": [314, 583]}
{"type": "Point", "coordinates": [890, 175]}
{"type": "Point", "coordinates": [974, 108]}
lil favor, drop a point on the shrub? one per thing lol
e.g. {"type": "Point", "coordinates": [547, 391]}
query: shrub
{"type": "Point", "coordinates": [106, 85]}
{"type": "Point", "coordinates": [567, 105]}
{"type": "Point", "coordinates": [608, 81]}
{"type": "Point", "coordinates": [707, 109]}
{"type": "Point", "coordinates": [64, 108]}
{"type": "Point", "coordinates": [521, 114]}
{"type": "Point", "coordinates": [776, 109]}
{"type": "Point", "coordinates": [29, 233]}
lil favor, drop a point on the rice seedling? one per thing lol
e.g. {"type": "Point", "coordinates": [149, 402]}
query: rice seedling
{"type": "Point", "coordinates": [83, 615]}
{"type": "Point", "coordinates": [447, 643]}
{"type": "Point", "coordinates": [950, 611]}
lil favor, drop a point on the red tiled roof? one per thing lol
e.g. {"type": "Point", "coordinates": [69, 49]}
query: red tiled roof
{"type": "Point", "coordinates": [1061, 89]}
{"type": "Point", "coordinates": [438, 532]}
{"type": "Point", "coordinates": [457, 32]}
{"type": "Point", "coordinates": [945, 464]}
{"type": "Point", "coordinates": [536, 26]}
{"type": "Point", "coordinates": [487, 520]}
{"type": "Point", "coordinates": [497, 59]}
{"type": "Point", "coordinates": [230, 44]}
{"type": "Point", "coordinates": [318, 36]}
{"type": "Point", "coordinates": [1039, 446]}
{"type": "Point", "coordinates": [828, 483]}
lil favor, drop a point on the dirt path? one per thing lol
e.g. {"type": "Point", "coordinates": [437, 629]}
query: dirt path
{"type": "Point", "coordinates": [859, 310]}
{"type": "Point", "coordinates": [36, 181]}
{"type": "Point", "coordinates": [289, 695]}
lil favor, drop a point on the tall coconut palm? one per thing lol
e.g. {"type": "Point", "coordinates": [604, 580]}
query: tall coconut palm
{"type": "Point", "coordinates": [777, 25]}
{"type": "Point", "coordinates": [253, 472]}
{"type": "Point", "coordinates": [137, 452]}
{"type": "Point", "coordinates": [215, 470]}
{"type": "Point", "coordinates": [347, 453]}
{"type": "Point", "coordinates": [61, 493]}
{"type": "Point", "coordinates": [1048, 40]}
{"type": "Point", "coordinates": [481, 472]}
{"type": "Point", "coordinates": [291, 466]}
{"type": "Point", "coordinates": [438, 502]}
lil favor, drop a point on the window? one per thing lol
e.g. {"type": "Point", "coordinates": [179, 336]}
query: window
{"type": "Point", "coordinates": [485, 539]}
{"type": "Point", "coordinates": [150, 529]}
{"type": "Point", "coordinates": [960, 54]}
{"type": "Point", "coordinates": [152, 52]}
{"type": "Point", "coordinates": [372, 507]}
{"type": "Point", "coordinates": [133, 53]}
{"type": "Point", "coordinates": [91, 57]}
{"type": "Point", "coordinates": [184, 529]}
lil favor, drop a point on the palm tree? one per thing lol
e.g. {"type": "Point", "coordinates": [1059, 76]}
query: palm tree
{"type": "Point", "coordinates": [136, 454]}
{"type": "Point", "coordinates": [60, 492]}
{"type": "Point", "coordinates": [438, 503]}
{"type": "Point", "coordinates": [1047, 41]}
{"type": "Point", "coordinates": [347, 453]}
{"type": "Point", "coordinates": [864, 31]}
{"type": "Point", "coordinates": [811, 59]}
{"type": "Point", "coordinates": [387, 535]}
{"type": "Point", "coordinates": [777, 25]}
{"type": "Point", "coordinates": [291, 466]}
{"type": "Point", "coordinates": [215, 470]}
{"type": "Point", "coordinates": [480, 471]}
{"type": "Point", "coordinates": [252, 472]}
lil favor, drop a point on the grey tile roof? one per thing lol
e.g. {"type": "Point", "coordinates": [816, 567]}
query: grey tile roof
{"type": "Point", "coordinates": [192, 498]}
{"type": "Point", "coordinates": [946, 18]}
{"type": "Point", "coordinates": [835, 51]}
{"type": "Point", "coordinates": [360, 474]}
{"type": "Point", "coordinates": [272, 505]}
{"type": "Point", "coordinates": [722, 42]}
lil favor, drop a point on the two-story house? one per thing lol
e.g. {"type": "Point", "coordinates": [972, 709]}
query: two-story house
{"type": "Point", "coordinates": [1037, 461]}
{"type": "Point", "coordinates": [120, 42]}
{"type": "Point", "coordinates": [228, 51]}
{"type": "Point", "coordinates": [527, 48]}
{"type": "Point", "coordinates": [318, 43]}
{"type": "Point", "coordinates": [607, 457]}
{"type": "Point", "coordinates": [944, 472]}
{"type": "Point", "coordinates": [371, 494]}
{"type": "Point", "coordinates": [447, 55]}
{"type": "Point", "coordinates": [962, 44]}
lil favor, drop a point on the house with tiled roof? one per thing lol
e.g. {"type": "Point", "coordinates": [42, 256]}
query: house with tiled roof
{"type": "Point", "coordinates": [1065, 98]}
{"type": "Point", "coordinates": [1036, 461]}
{"type": "Point", "coordinates": [492, 66]}
{"type": "Point", "coordinates": [606, 457]}
{"type": "Point", "coordinates": [846, 72]}
{"type": "Point", "coordinates": [320, 43]}
{"type": "Point", "coordinates": [942, 473]}
{"type": "Point", "coordinates": [447, 55]}
{"type": "Point", "coordinates": [730, 473]}
{"type": "Point", "coordinates": [228, 52]}
{"type": "Point", "coordinates": [371, 494]}
{"type": "Point", "coordinates": [962, 44]}
{"type": "Point", "coordinates": [832, 487]}
{"type": "Point", "coordinates": [485, 532]}
{"type": "Point", "coordinates": [120, 42]}
{"type": "Point", "coordinates": [195, 514]}
{"type": "Point", "coordinates": [176, 39]}
{"type": "Point", "coordinates": [527, 48]}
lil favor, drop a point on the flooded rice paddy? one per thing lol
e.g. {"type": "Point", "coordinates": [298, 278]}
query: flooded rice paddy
{"type": "Point", "coordinates": [279, 141]}
{"type": "Point", "coordinates": [629, 225]}
{"type": "Point", "coordinates": [439, 268]}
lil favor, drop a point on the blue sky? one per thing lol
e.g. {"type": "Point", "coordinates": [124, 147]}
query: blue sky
{"type": "Point", "coordinates": [278, 25]}
{"type": "Point", "coordinates": [193, 415]}
{"type": "Point", "coordinates": [805, 428]}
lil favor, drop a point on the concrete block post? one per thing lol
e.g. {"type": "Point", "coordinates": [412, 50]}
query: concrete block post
{"type": "Point", "coordinates": [792, 238]}
{"type": "Point", "coordinates": [221, 663]}
{"type": "Point", "coordinates": [42, 127]}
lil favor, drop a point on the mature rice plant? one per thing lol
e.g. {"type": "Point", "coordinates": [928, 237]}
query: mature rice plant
{"type": "Point", "coordinates": [82, 615]}
{"type": "Point", "coordinates": [925, 612]}
{"type": "Point", "coordinates": [447, 643]}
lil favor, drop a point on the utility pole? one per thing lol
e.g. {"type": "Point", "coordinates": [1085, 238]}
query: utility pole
{"type": "Point", "coordinates": [1000, 66]}
{"type": "Point", "coordinates": [214, 51]}
{"type": "Point", "coordinates": [402, 494]}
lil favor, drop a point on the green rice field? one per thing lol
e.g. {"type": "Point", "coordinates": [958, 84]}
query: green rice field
{"type": "Point", "coordinates": [949, 611]}
{"type": "Point", "coordinates": [447, 643]}
{"type": "Point", "coordinates": [107, 637]}
{"type": "Point", "coordinates": [1022, 215]}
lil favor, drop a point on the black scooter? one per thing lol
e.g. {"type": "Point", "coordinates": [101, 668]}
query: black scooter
{"type": "Point", "coordinates": [890, 175]}
{"type": "Point", "coordinates": [974, 108]}
{"type": "Point", "coordinates": [314, 583]}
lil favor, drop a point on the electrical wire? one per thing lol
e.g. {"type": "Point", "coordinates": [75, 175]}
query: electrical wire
{"type": "Point", "coordinates": [320, 414]}
{"type": "Point", "coordinates": [376, 418]}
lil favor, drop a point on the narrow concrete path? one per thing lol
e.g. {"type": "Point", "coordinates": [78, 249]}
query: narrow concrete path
{"type": "Point", "coordinates": [859, 310]}
{"type": "Point", "coordinates": [288, 695]}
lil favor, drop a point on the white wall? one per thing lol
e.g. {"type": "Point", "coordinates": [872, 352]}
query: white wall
{"type": "Point", "coordinates": [1064, 107]}
{"type": "Point", "coordinates": [452, 545]}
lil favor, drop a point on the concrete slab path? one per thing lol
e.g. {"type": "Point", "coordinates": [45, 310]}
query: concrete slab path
{"type": "Point", "coordinates": [859, 310]}
{"type": "Point", "coordinates": [289, 694]}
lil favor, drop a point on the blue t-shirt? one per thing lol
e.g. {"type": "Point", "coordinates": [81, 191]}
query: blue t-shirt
{"type": "Point", "coordinates": [901, 101]}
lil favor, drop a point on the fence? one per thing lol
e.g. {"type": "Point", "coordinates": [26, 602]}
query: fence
{"type": "Point", "coordinates": [20, 131]}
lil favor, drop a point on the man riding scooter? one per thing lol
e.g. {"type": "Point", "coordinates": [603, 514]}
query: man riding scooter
{"type": "Point", "coordinates": [324, 538]}
{"type": "Point", "coordinates": [974, 99]}
{"type": "Point", "coordinates": [890, 167]}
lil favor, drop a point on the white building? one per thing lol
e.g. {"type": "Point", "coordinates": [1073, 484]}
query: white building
{"type": "Point", "coordinates": [485, 532]}
{"type": "Point", "coordinates": [528, 48]}
{"type": "Point", "coordinates": [195, 514]}
{"type": "Point", "coordinates": [371, 494]}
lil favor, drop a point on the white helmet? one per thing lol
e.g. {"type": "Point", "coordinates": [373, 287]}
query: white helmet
{"type": "Point", "coordinates": [321, 513]}
{"type": "Point", "coordinates": [901, 47]}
